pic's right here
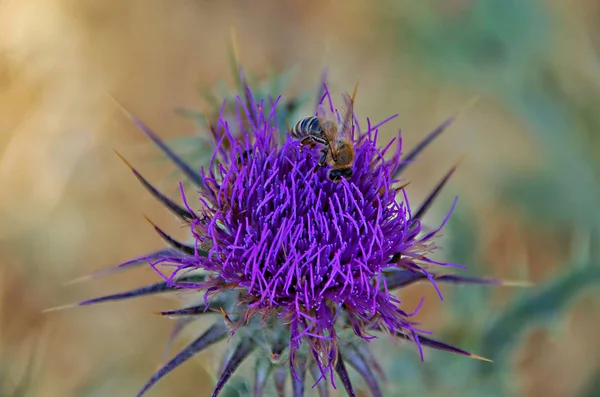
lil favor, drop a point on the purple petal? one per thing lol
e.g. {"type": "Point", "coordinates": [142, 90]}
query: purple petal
{"type": "Point", "coordinates": [321, 91]}
{"type": "Point", "coordinates": [322, 387]}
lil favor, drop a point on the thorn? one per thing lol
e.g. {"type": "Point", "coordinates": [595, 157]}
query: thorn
{"type": "Point", "coordinates": [225, 315]}
{"type": "Point", "coordinates": [403, 186]}
{"type": "Point", "coordinates": [120, 106]}
{"type": "Point", "coordinates": [228, 323]}
{"type": "Point", "coordinates": [150, 222]}
{"type": "Point", "coordinates": [476, 357]}
{"type": "Point", "coordinates": [59, 308]}
{"type": "Point", "coordinates": [516, 283]}
{"type": "Point", "coordinates": [127, 163]}
{"type": "Point", "coordinates": [78, 280]}
{"type": "Point", "coordinates": [354, 92]}
{"type": "Point", "coordinates": [461, 159]}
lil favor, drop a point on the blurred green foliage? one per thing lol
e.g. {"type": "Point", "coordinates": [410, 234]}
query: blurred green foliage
{"type": "Point", "coordinates": [504, 49]}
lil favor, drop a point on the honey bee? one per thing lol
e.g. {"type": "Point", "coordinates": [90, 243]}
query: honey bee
{"type": "Point", "coordinates": [323, 129]}
{"type": "Point", "coordinates": [309, 132]}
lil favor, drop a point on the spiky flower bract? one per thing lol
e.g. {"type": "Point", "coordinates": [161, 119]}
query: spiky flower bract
{"type": "Point", "coordinates": [291, 261]}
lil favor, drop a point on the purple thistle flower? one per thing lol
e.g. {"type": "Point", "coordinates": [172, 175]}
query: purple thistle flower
{"type": "Point", "coordinates": [287, 257]}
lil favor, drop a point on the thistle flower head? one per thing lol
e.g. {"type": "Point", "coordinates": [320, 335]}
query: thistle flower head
{"type": "Point", "coordinates": [301, 248]}
{"type": "Point", "coordinates": [291, 261]}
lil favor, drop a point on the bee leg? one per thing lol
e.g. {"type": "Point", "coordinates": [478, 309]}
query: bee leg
{"type": "Point", "coordinates": [322, 160]}
{"type": "Point", "coordinates": [305, 141]}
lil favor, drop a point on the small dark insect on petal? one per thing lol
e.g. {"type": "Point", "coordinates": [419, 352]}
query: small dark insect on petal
{"type": "Point", "coordinates": [434, 344]}
{"type": "Point", "coordinates": [263, 369]}
{"type": "Point", "coordinates": [243, 350]}
{"type": "Point", "coordinates": [340, 368]}
{"type": "Point", "coordinates": [213, 335]}
{"type": "Point", "coordinates": [359, 363]}
{"type": "Point", "coordinates": [170, 204]}
{"type": "Point", "coordinates": [298, 386]}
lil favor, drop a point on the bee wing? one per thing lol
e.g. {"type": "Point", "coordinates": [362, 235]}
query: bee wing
{"type": "Point", "coordinates": [329, 125]}
{"type": "Point", "coordinates": [347, 115]}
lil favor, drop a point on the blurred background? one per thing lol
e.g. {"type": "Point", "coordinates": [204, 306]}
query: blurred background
{"type": "Point", "coordinates": [528, 187]}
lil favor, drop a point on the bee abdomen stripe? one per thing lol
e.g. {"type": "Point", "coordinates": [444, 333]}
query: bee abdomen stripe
{"type": "Point", "coordinates": [319, 139]}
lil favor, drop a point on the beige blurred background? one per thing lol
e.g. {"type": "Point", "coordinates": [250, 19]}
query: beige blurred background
{"type": "Point", "coordinates": [69, 206]}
